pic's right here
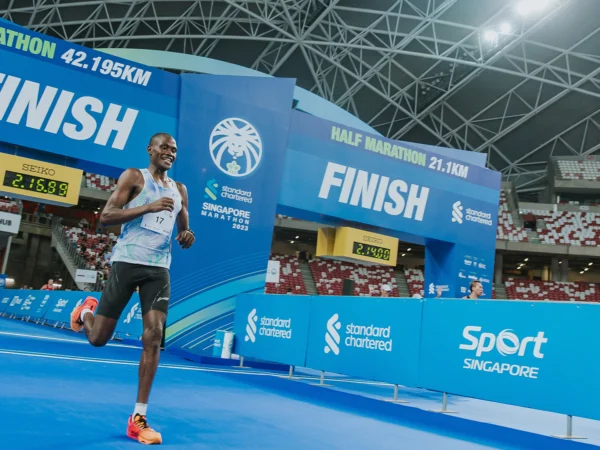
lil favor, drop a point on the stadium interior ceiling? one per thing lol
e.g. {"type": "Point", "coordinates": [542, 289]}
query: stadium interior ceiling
{"type": "Point", "coordinates": [518, 80]}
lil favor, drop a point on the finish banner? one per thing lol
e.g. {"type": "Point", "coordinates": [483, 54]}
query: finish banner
{"type": "Point", "coordinates": [366, 179]}
{"type": "Point", "coordinates": [70, 100]}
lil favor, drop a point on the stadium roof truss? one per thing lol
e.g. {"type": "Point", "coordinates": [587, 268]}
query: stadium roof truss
{"type": "Point", "coordinates": [467, 74]}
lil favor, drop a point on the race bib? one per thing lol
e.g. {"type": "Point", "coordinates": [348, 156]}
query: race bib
{"type": "Point", "coordinates": [160, 222]}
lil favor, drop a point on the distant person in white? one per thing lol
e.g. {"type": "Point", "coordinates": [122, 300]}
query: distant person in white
{"type": "Point", "coordinates": [385, 290]}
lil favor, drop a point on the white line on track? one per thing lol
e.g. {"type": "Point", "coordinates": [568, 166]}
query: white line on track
{"type": "Point", "coordinates": [179, 367]}
{"type": "Point", "coordinates": [74, 341]}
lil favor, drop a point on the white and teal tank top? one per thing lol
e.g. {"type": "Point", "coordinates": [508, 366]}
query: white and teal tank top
{"type": "Point", "coordinates": [147, 239]}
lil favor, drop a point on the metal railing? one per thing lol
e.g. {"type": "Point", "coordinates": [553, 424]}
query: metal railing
{"type": "Point", "coordinates": [58, 233]}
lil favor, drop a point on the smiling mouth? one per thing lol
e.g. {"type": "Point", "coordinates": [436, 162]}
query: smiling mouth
{"type": "Point", "coordinates": [167, 159]}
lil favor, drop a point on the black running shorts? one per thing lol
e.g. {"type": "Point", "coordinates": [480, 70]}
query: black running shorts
{"type": "Point", "coordinates": [154, 284]}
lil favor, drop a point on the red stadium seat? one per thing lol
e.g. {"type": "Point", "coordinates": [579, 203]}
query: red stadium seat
{"type": "Point", "coordinates": [329, 276]}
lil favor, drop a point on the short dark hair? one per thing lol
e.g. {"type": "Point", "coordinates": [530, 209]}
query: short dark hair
{"type": "Point", "coordinates": [158, 135]}
{"type": "Point", "coordinates": [472, 284]}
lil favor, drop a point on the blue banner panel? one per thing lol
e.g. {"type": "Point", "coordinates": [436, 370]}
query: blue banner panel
{"type": "Point", "coordinates": [71, 100]}
{"type": "Point", "coordinates": [33, 304]}
{"type": "Point", "coordinates": [272, 327]}
{"type": "Point", "coordinates": [452, 267]}
{"type": "Point", "coordinates": [130, 322]}
{"type": "Point", "coordinates": [61, 303]}
{"type": "Point", "coordinates": [232, 138]}
{"type": "Point", "coordinates": [5, 298]}
{"type": "Point", "coordinates": [366, 179]}
{"type": "Point", "coordinates": [536, 355]}
{"type": "Point", "coordinates": [372, 338]}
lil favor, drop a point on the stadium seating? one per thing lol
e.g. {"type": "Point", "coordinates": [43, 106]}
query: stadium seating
{"type": "Point", "coordinates": [416, 281]}
{"type": "Point", "coordinates": [290, 277]}
{"type": "Point", "coordinates": [570, 228]}
{"type": "Point", "coordinates": [329, 276]}
{"type": "Point", "coordinates": [579, 170]}
{"type": "Point", "coordinates": [9, 206]}
{"type": "Point", "coordinates": [100, 182]}
{"type": "Point", "coordinates": [551, 290]}
{"type": "Point", "coordinates": [94, 248]}
{"type": "Point", "coordinates": [507, 230]}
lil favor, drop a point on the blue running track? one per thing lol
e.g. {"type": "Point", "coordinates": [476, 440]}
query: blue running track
{"type": "Point", "coordinates": [57, 392]}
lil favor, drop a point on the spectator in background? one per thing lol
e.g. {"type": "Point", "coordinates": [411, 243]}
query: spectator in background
{"type": "Point", "coordinates": [289, 291]}
{"type": "Point", "coordinates": [476, 289]}
{"type": "Point", "coordinates": [385, 290]}
{"type": "Point", "coordinates": [49, 286]}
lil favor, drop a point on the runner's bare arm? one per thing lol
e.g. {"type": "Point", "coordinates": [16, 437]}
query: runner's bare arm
{"type": "Point", "coordinates": [185, 237]}
{"type": "Point", "coordinates": [114, 214]}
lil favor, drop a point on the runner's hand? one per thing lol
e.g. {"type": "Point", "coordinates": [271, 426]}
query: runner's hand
{"type": "Point", "coordinates": [185, 239]}
{"type": "Point", "coordinates": [162, 204]}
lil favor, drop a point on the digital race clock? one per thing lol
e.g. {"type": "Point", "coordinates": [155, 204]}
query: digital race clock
{"type": "Point", "coordinates": [39, 181]}
{"type": "Point", "coordinates": [351, 244]}
{"type": "Point", "coordinates": [371, 251]}
{"type": "Point", "coordinates": [33, 183]}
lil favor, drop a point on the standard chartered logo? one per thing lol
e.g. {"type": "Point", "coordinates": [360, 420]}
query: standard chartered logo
{"type": "Point", "coordinates": [273, 327]}
{"type": "Point", "coordinates": [471, 215]}
{"type": "Point", "coordinates": [368, 337]}
{"type": "Point", "coordinates": [506, 343]}
{"type": "Point", "coordinates": [457, 214]}
{"type": "Point", "coordinates": [332, 337]}
{"type": "Point", "coordinates": [251, 326]}
{"type": "Point", "coordinates": [235, 147]}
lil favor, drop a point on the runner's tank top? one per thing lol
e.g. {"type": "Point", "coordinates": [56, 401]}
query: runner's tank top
{"type": "Point", "coordinates": [147, 239]}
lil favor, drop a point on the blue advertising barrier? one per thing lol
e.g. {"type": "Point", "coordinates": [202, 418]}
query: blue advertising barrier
{"type": "Point", "coordinates": [272, 327]}
{"type": "Point", "coordinates": [61, 304]}
{"type": "Point", "coordinates": [536, 355]}
{"type": "Point", "coordinates": [34, 304]}
{"type": "Point", "coordinates": [56, 307]}
{"type": "Point", "coordinates": [5, 298]}
{"type": "Point", "coordinates": [372, 338]}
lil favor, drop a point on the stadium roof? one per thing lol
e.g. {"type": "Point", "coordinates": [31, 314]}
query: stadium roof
{"type": "Point", "coordinates": [519, 80]}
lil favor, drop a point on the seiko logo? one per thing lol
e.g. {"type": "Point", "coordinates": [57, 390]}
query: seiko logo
{"type": "Point", "coordinates": [53, 111]}
{"type": "Point", "coordinates": [372, 239]}
{"type": "Point", "coordinates": [370, 191]}
{"type": "Point", "coordinates": [38, 169]}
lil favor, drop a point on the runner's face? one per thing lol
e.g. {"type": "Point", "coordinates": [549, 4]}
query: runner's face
{"type": "Point", "coordinates": [163, 152]}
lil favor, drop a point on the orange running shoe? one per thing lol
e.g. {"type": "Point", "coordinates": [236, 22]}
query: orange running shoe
{"type": "Point", "coordinates": [138, 429]}
{"type": "Point", "coordinates": [76, 323]}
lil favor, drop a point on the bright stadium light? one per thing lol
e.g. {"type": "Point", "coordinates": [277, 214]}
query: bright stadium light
{"type": "Point", "coordinates": [490, 36]}
{"type": "Point", "coordinates": [581, 272]}
{"type": "Point", "coordinates": [526, 259]}
{"type": "Point", "coordinates": [505, 28]}
{"type": "Point", "coordinates": [590, 264]}
{"type": "Point", "coordinates": [409, 249]}
{"type": "Point", "coordinates": [527, 7]}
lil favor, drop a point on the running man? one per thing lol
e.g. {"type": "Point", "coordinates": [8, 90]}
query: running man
{"type": "Point", "coordinates": [148, 204]}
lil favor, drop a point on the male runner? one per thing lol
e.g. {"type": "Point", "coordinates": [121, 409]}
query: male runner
{"type": "Point", "coordinates": [148, 203]}
{"type": "Point", "coordinates": [476, 290]}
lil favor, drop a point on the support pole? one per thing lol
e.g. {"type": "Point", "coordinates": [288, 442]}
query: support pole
{"type": "Point", "coordinates": [444, 409]}
{"type": "Point", "coordinates": [322, 380]}
{"type": "Point", "coordinates": [6, 253]}
{"type": "Point", "coordinates": [569, 434]}
{"type": "Point", "coordinates": [291, 373]}
{"type": "Point", "coordinates": [241, 366]}
{"type": "Point", "coordinates": [395, 399]}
